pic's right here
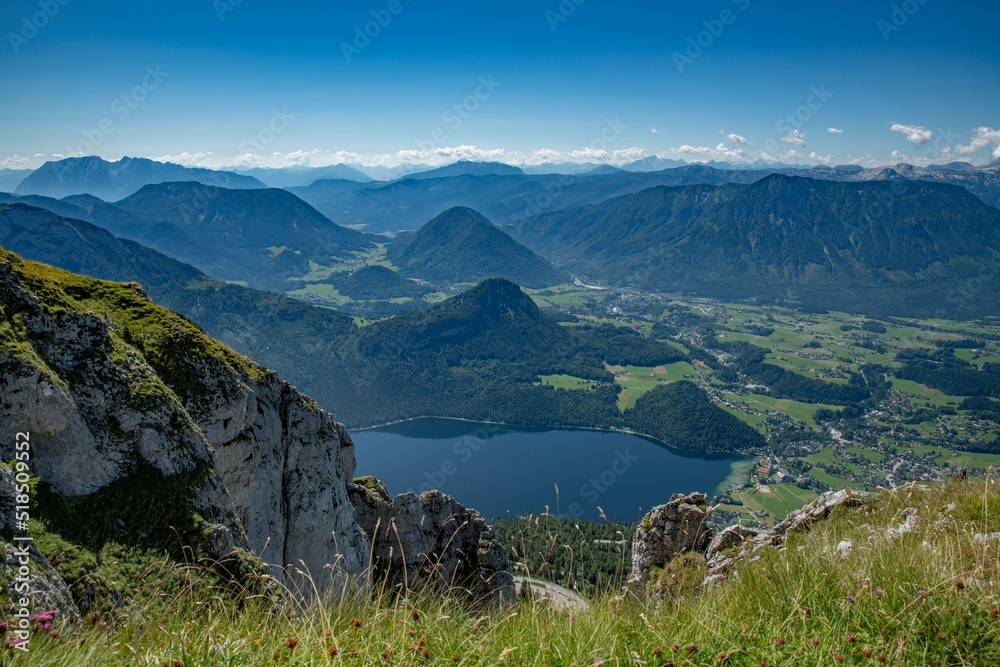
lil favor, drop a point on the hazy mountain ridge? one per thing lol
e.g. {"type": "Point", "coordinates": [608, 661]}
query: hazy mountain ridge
{"type": "Point", "coordinates": [113, 180]}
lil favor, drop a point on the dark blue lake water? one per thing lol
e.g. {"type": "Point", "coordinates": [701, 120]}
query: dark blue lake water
{"type": "Point", "coordinates": [503, 470]}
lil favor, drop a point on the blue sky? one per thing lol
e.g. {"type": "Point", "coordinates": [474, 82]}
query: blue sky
{"type": "Point", "coordinates": [225, 82]}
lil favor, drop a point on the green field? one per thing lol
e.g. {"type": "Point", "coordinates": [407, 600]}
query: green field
{"type": "Point", "coordinates": [637, 380]}
{"type": "Point", "coordinates": [775, 500]}
{"type": "Point", "coordinates": [795, 409]}
{"type": "Point", "coordinates": [566, 382]}
{"type": "Point", "coordinates": [833, 481]}
{"type": "Point", "coordinates": [925, 393]}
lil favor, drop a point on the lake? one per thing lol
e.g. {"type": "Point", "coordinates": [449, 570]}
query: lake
{"type": "Point", "coordinates": [501, 470]}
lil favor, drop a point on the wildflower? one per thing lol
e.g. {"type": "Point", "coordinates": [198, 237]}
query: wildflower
{"type": "Point", "coordinates": [691, 648]}
{"type": "Point", "coordinates": [675, 648]}
{"type": "Point", "coordinates": [922, 593]}
{"type": "Point", "coordinates": [390, 612]}
{"type": "Point", "coordinates": [355, 622]}
{"type": "Point", "coordinates": [866, 652]}
{"type": "Point", "coordinates": [851, 637]}
{"type": "Point", "coordinates": [292, 642]}
{"type": "Point", "coordinates": [851, 599]}
{"type": "Point", "coordinates": [881, 657]}
{"type": "Point", "coordinates": [455, 657]}
{"type": "Point", "coordinates": [815, 641]}
{"type": "Point", "coordinates": [415, 614]}
{"type": "Point", "coordinates": [995, 612]}
{"type": "Point", "coordinates": [424, 653]}
{"type": "Point", "coordinates": [761, 663]}
{"type": "Point", "coordinates": [178, 663]}
{"type": "Point", "coordinates": [658, 651]}
{"type": "Point", "coordinates": [780, 641]}
{"type": "Point", "coordinates": [959, 585]}
{"type": "Point", "coordinates": [840, 657]}
{"type": "Point", "coordinates": [723, 657]}
{"type": "Point", "coordinates": [942, 635]}
{"type": "Point", "coordinates": [333, 652]}
{"type": "Point", "coordinates": [879, 591]}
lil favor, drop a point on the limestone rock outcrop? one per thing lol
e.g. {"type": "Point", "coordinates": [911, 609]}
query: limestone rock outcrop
{"type": "Point", "coordinates": [432, 540]}
{"type": "Point", "coordinates": [137, 399]}
{"type": "Point", "coordinates": [668, 531]}
{"type": "Point", "coordinates": [144, 429]}
{"type": "Point", "coordinates": [681, 526]}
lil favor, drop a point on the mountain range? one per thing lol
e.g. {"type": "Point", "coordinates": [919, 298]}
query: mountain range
{"type": "Point", "coordinates": [263, 237]}
{"type": "Point", "coordinates": [891, 247]}
{"type": "Point", "coordinates": [482, 351]}
{"type": "Point", "coordinates": [113, 180]}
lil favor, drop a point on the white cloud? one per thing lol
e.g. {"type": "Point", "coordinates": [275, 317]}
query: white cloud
{"type": "Point", "coordinates": [899, 157]}
{"type": "Point", "coordinates": [705, 153]}
{"type": "Point", "coordinates": [737, 139]}
{"type": "Point", "coordinates": [14, 162]}
{"type": "Point", "coordinates": [795, 157]}
{"type": "Point", "coordinates": [913, 133]}
{"type": "Point", "coordinates": [982, 137]}
{"type": "Point", "coordinates": [654, 131]}
{"type": "Point", "coordinates": [186, 159]}
{"type": "Point", "coordinates": [626, 155]}
{"type": "Point", "coordinates": [834, 130]}
{"type": "Point", "coordinates": [795, 137]}
{"type": "Point", "coordinates": [248, 160]}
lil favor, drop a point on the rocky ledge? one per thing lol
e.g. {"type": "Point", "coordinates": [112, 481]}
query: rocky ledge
{"type": "Point", "coordinates": [681, 528]}
{"type": "Point", "coordinates": [145, 431]}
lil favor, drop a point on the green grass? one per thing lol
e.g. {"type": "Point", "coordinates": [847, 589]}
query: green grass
{"type": "Point", "coordinates": [566, 382]}
{"type": "Point", "coordinates": [925, 393]}
{"type": "Point", "coordinates": [637, 380]}
{"type": "Point", "coordinates": [913, 600]}
{"type": "Point", "coordinates": [833, 481]}
{"type": "Point", "coordinates": [871, 455]}
{"type": "Point", "coordinates": [803, 412]}
{"type": "Point", "coordinates": [775, 500]}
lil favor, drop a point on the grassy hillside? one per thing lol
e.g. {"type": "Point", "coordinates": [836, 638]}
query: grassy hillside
{"type": "Point", "coordinates": [927, 597]}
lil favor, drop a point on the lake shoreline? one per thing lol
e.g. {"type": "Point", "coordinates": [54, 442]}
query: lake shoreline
{"type": "Point", "coordinates": [696, 452]}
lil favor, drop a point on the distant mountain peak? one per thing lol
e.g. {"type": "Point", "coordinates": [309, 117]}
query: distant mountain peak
{"type": "Point", "coordinates": [461, 245]}
{"type": "Point", "coordinates": [469, 168]}
{"type": "Point", "coordinates": [497, 297]}
{"type": "Point", "coordinates": [112, 181]}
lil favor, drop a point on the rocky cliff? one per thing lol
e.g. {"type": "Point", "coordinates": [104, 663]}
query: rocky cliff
{"type": "Point", "coordinates": [146, 431]}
